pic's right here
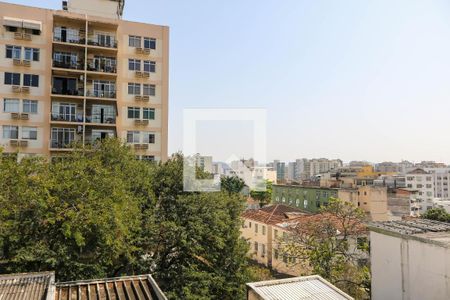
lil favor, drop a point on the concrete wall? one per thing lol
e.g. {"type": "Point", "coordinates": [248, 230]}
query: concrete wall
{"type": "Point", "coordinates": [408, 269]}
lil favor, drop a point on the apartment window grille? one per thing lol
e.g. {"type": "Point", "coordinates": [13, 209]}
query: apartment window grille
{"type": "Point", "coordinates": [31, 80]}
{"type": "Point", "coordinates": [64, 112]}
{"type": "Point", "coordinates": [134, 64]}
{"type": "Point", "coordinates": [29, 133]}
{"type": "Point", "coordinates": [11, 105]}
{"type": "Point", "coordinates": [134, 113]}
{"type": "Point", "coordinates": [134, 88]}
{"type": "Point", "coordinates": [65, 59]}
{"type": "Point", "coordinates": [105, 40]}
{"type": "Point", "coordinates": [134, 41]}
{"type": "Point", "coordinates": [62, 137]}
{"type": "Point", "coordinates": [149, 90]}
{"type": "Point", "coordinates": [149, 138]}
{"type": "Point", "coordinates": [10, 132]}
{"type": "Point", "coordinates": [148, 113]}
{"type": "Point", "coordinates": [13, 52]}
{"type": "Point", "coordinates": [12, 78]}
{"type": "Point", "coordinates": [30, 106]}
{"type": "Point", "coordinates": [103, 88]}
{"type": "Point", "coordinates": [148, 157]}
{"type": "Point", "coordinates": [32, 54]}
{"type": "Point", "coordinates": [149, 43]}
{"type": "Point", "coordinates": [133, 137]}
{"type": "Point", "coordinates": [149, 66]}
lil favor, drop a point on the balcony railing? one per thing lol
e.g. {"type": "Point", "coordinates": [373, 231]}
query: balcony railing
{"type": "Point", "coordinates": [79, 92]}
{"type": "Point", "coordinates": [57, 144]}
{"type": "Point", "coordinates": [101, 94]}
{"type": "Point", "coordinates": [96, 119]}
{"type": "Point", "coordinates": [101, 68]}
{"type": "Point", "coordinates": [80, 41]}
{"type": "Point", "coordinates": [107, 44]}
{"type": "Point", "coordinates": [66, 117]}
{"type": "Point", "coordinates": [65, 65]}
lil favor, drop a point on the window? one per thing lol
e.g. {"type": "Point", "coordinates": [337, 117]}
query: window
{"type": "Point", "coordinates": [32, 54]}
{"type": "Point", "coordinates": [62, 137]}
{"type": "Point", "coordinates": [256, 228]}
{"type": "Point", "coordinates": [12, 78]}
{"type": "Point", "coordinates": [134, 113]}
{"type": "Point", "coordinates": [31, 80]}
{"type": "Point", "coordinates": [263, 250]}
{"type": "Point", "coordinates": [134, 65]}
{"type": "Point", "coordinates": [149, 138]}
{"type": "Point", "coordinates": [149, 90]}
{"type": "Point", "coordinates": [149, 66]}
{"type": "Point", "coordinates": [275, 253]}
{"type": "Point", "coordinates": [249, 224]}
{"type": "Point", "coordinates": [29, 133]}
{"type": "Point", "coordinates": [104, 89]}
{"type": "Point", "coordinates": [149, 43]}
{"type": "Point", "coordinates": [264, 230]}
{"type": "Point", "coordinates": [13, 52]}
{"type": "Point", "coordinates": [11, 105]}
{"type": "Point", "coordinates": [133, 137]}
{"type": "Point", "coordinates": [134, 41]}
{"type": "Point", "coordinates": [305, 203]}
{"type": "Point", "coordinates": [30, 106]}
{"type": "Point", "coordinates": [256, 246]}
{"type": "Point", "coordinates": [10, 132]}
{"type": "Point", "coordinates": [148, 157]}
{"type": "Point", "coordinates": [419, 186]}
{"type": "Point", "coordinates": [148, 113]}
{"type": "Point", "coordinates": [134, 88]}
{"type": "Point", "coordinates": [275, 233]}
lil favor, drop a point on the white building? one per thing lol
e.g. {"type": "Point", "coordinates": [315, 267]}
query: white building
{"type": "Point", "coordinates": [422, 181]}
{"type": "Point", "coordinates": [204, 162]}
{"type": "Point", "coordinates": [410, 260]}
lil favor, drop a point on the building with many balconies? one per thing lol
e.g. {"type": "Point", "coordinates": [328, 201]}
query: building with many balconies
{"type": "Point", "coordinates": [79, 75]}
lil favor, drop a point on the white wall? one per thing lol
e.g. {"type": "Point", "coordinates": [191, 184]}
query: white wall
{"type": "Point", "coordinates": [408, 269]}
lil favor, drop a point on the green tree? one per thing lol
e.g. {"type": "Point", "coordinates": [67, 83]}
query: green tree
{"type": "Point", "coordinates": [99, 212]}
{"type": "Point", "coordinates": [437, 214]}
{"type": "Point", "coordinates": [264, 197]}
{"type": "Point", "coordinates": [333, 244]}
{"type": "Point", "coordinates": [232, 184]}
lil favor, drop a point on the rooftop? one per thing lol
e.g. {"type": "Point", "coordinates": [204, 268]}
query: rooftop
{"type": "Point", "coordinates": [420, 229]}
{"type": "Point", "coordinates": [273, 214]}
{"type": "Point", "coordinates": [27, 286]}
{"type": "Point", "coordinates": [41, 286]}
{"type": "Point", "coordinates": [307, 287]}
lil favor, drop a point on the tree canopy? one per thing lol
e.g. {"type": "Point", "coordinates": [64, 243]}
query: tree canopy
{"type": "Point", "coordinates": [437, 214]}
{"type": "Point", "coordinates": [99, 212]}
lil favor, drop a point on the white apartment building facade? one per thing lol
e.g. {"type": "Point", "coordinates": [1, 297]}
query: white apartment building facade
{"type": "Point", "coordinates": [423, 182]}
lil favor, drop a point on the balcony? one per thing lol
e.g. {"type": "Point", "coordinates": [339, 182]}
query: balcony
{"type": "Point", "coordinates": [60, 117]}
{"type": "Point", "coordinates": [62, 39]}
{"type": "Point", "coordinates": [18, 143]}
{"type": "Point", "coordinates": [95, 66]}
{"type": "Point", "coordinates": [108, 42]}
{"type": "Point", "coordinates": [61, 144]}
{"type": "Point", "coordinates": [69, 65]}
{"type": "Point", "coordinates": [101, 94]}
{"type": "Point", "coordinates": [69, 92]}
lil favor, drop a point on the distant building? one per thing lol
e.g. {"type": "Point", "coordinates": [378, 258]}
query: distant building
{"type": "Point", "coordinates": [371, 199]}
{"type": "Point", "coordinates": [307, 287]}
{"type": "Point", "coordinates": [205, 163]}
{"type": "Point", "coordinates": [402, 202]}
{"type": "Point", "coordinates": [422, 181]}
{"type": "Point", "coordinates": [280, 168]}
{"type": "Point", "coordinates": [42, 286]}
{"type": "Point", "coordinates": [410, 260]}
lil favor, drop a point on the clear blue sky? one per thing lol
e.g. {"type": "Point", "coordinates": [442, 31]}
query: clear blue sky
{"type": "Point", "coordinates": [358, 80]}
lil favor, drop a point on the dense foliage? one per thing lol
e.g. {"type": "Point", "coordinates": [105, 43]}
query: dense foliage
{"type": "Point", "coordinates": [437, 214]}
{"type": "Point", "coordinates": [100, 212]}
{"type": "Point", "coordinates": [333, 244]}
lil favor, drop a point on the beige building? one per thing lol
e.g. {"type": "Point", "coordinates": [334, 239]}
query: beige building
{"type": "Point", "coordinates": [79, 75]}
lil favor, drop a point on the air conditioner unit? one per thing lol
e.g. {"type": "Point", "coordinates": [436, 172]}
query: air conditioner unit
{"type": "Point", "coordinates": [18, 35]}
{"type": "Point", "coordinates": [138, 97]}
{"type": "Point", "coordinates": [145, 98]}
{"type": "Point", "coordinates": [16, 89]}
{"type": "Point", "coordinates": [23, 143]}
{"type": "Point", "coordinates": [25, 89]}
{"type": "Point", "coordinates": [15, 116]}
{"type": "Point", "coordinates": [138, 74]}
{"type": "Point", "coordinates": [26, 63]}
{"type": "Point", "coordinates": [146, 50]}
{"type": "Point", "coordinates": [139, 50]}
{"type": "Point", "coordinates": [146, 74]}
{"type": "Point", "coordinates": [14, 143]}
{"type": "Point", "coordinates": [17, 62]}
{"type": "Point", "coordinates": [26, 37]}
{"type": "Point", "coordinates": [24, 116]}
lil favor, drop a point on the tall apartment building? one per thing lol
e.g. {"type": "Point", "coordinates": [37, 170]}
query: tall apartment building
{"type": "Point", "coordinates": [422, 181]}
{"type": "Point", "coordinates": [79, 75]}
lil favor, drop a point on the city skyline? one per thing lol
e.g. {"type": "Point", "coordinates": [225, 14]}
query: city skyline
{"type": "Point", "coordinates": [348, 83]}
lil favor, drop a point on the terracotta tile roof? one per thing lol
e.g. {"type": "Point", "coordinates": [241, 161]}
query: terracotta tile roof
{"type": "Point", "coordinates": [418, 171]}
{"type": "Point", "coordinates": [273, 214]}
